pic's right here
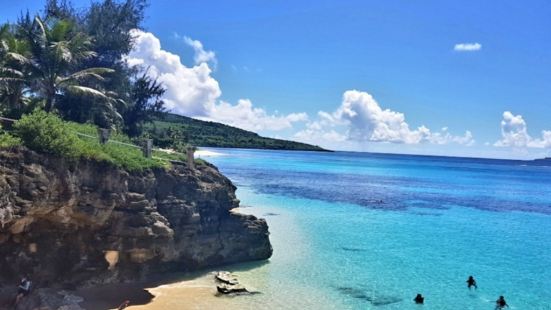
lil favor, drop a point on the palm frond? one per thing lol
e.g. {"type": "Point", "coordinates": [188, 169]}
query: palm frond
{"type": "Point", "coordinates": [19, 58]}
{"type": "Point", "coordinates": [42, 33]}
{"type": "Point", "coordinates": [62, 51]}
{"type": "Point", "coordinates": [85, 91]}
{"type": "Point", "coordinates": [90, 73]}
{"type": "Point", "coordinates": [9, 80]}
{"type": "Point", "coordinates": [7, 72]}
{"type": "Point", "coordinates": [60, 30]}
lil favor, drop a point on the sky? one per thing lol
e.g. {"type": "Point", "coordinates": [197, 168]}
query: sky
{"type": "Point", "coordinates": [458, 78]}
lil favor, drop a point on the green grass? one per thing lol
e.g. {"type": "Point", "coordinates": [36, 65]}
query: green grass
{"type": "Point", "coordinates": [47, 133]}
{"type": "Point", "coordinates": [8, 141]}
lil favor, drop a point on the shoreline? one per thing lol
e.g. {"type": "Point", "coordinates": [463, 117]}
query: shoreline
{"type": "Point", "coordinates": [197, 289]}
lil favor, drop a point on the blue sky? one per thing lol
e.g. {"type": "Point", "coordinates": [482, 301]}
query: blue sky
{"type": "Point", "coordinates": [292, 59]}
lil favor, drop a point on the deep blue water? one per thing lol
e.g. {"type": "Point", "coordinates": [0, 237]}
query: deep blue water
{"type": "Point", "coordinates": [369, 231]}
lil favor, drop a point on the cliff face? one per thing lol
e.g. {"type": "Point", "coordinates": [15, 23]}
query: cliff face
{"type": "Point", "coordinates": [63, 222]}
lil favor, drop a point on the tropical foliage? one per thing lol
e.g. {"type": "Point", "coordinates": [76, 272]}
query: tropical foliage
{"type": "Point", "coordinates": [47, 133]}
{"type": "Point", "coordinates": [72, 64]}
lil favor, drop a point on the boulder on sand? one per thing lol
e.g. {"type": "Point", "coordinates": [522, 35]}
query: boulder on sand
{"type": "Point", "coordinates": [229, 285]}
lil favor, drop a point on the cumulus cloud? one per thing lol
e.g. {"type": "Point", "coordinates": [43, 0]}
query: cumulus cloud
{"type": "Point", "coordinates": [244, 115]}
{"type": "Point", "coordinates": [193, 91]}
{"type": "Point", "coordinates": [365, 121]}
{"type": "Point", "coordinates": [189, 90]}
{"type": "Point", "coordinates": [201, 55]}
{"type": "Point", "coordinates": [467, 47]}
{"type": "Point", "coordinates": [317, 133]}
{"type": "Point", "coordinates": [514, 133]}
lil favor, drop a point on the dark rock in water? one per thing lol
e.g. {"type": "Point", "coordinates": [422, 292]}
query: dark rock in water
{"type": "Point", "coordinates": [270, 214]}
{"type": "Point", "coordinates": [353, 292]}
{"type": "Point", "coordinates": [369, 296]}
{"type": "Point", "coordinates": [88, 222]}
{"type": "Point", "coordinates": [353, 249]}
{"type": "Point", "coordinates": [385, 300]}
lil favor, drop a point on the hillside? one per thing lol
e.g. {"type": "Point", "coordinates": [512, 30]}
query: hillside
{"type": "Point", "coordinates": [173, 128]}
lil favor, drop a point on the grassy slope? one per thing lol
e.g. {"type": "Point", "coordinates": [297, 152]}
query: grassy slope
{"type": "Point", "coordinates": [203, 133]}
{"type": "Point", "coordinates": [46, 133]}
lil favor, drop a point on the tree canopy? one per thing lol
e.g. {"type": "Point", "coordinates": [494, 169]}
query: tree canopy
{"type": "Point", "coordinates": [72, 63]}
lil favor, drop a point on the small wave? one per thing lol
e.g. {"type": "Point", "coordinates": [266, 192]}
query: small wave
{"type": "Point", "coordinates": [205, 153]}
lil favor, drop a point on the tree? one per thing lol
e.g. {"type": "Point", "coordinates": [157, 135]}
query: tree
{"type": "Point", "coordinates": [13, 82]}
{"type": "Point", "coordinates": [60, 9]}
{"type": "Point", "coordinates": [56, 49]}
{"type": "Point", "coordinates": [145, 103]}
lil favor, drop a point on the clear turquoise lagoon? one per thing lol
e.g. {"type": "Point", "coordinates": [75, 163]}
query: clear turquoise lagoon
{"type": "Point", "coordinates": [370, 231]}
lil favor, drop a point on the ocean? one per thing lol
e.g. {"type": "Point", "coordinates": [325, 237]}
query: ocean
{"type": "Point", "coordinates": [370, 231]}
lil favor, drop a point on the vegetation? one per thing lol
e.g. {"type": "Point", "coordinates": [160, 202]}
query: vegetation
{"type": "Point", "coordinates": [47, 133]}
{"type": "Point", "coordinates": [8, 141]}
{"type": "Point", "coordinates": [73, 64]}
{"type": "Point", "coordinates": [63, 74]}
{"type": "Point", "coordinates": [173, 130]}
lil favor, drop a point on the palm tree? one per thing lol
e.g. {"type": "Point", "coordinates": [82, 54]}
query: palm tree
{"type": "Point", "coordinates": [13, 83]}
{"type": "Point", "coordinates": [56, 51]}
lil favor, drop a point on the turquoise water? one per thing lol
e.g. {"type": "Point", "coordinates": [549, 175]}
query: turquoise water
{"type": "Point", "coordinates": [370, 231]}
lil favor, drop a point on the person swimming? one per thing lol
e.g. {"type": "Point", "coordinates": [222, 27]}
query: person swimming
{"type": "Point", "coordinates": [501, 303]}
{"type": "Point", "coordinates": [471, 282]}
{"type": "Point", "coordinates": [419, 299]}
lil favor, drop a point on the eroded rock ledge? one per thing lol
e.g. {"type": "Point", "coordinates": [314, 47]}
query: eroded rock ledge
{"type": "Point", "coordinates": [88, 222]}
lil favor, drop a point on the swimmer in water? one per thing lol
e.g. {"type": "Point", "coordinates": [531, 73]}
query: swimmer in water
{"type": "Point", "coordinates": [471, 282]}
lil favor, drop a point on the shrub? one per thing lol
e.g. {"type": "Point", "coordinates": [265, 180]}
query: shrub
{"type": "Point", "coordinates": [7, 140]}
{"type": "Point", "coordinates": [46, 132]}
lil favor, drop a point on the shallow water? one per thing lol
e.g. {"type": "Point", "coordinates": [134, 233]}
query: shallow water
{"type": "Point", "coordinates": [367, 231]}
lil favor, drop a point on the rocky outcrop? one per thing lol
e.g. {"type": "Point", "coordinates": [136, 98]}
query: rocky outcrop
{"type": "Point", "coordinates": [88, 222]}
{"type": "Point", "coordinates": [229, 285]}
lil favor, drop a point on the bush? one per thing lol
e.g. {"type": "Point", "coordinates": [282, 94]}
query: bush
{"type": "Point", "coordinates": [7, 140]}
{"type": "Point", "coordinates": [47, 133]}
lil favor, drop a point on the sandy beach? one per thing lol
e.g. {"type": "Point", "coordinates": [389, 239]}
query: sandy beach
{"type": "Point", "coordinates": [198, 293]}
{"type": "Point", "coordinates": [192, 291]}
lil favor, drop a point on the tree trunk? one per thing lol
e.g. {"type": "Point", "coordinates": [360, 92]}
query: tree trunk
{"type": "Point", "coordinates": [49, 103]}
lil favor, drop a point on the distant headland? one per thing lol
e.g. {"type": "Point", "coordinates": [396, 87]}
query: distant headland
{"type": "Point", "coordinates": [171, 128]}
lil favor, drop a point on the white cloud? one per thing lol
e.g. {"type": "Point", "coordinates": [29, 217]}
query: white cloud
{"type": "Point", "coordinates": [365, 121]}
{"type": "Point", "coordinates": [244, 115]}
{"type": "Point", "coordinates": [201, 55]}
{"type": "Point", "coordinates": [316, 133]}
{"type": "Point", "coordinates": [514, 133]}
{"type": "Point", "coordinates": [189, 90]}
{"type": "Point", "coordinates": [192, 91]}
{"type": "Point", "coordinates": [467, 47]}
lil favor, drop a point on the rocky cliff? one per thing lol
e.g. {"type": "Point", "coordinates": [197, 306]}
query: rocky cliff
{"type": "Point", "coordinates": [88, 222]}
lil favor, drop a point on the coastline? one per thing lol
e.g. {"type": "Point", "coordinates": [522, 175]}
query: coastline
{"type": "Point", "coordinates": [197, 289]}
{"type": "Point", "coordinates": [196, 293]}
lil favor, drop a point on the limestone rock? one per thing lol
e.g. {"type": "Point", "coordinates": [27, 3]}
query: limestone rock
{"type": "Point", "coordinates": [89, 222]}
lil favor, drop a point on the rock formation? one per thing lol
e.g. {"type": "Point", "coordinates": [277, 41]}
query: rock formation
{"type": "Point", "coordinates": [88, 222]}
